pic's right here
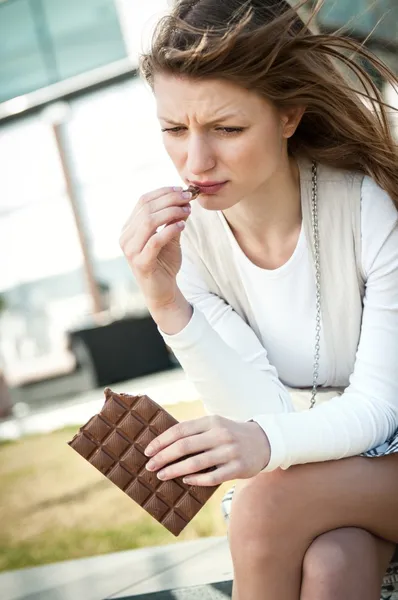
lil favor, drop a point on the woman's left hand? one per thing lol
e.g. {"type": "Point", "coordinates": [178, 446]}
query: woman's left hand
{"type": "Point", "coordinates": [239, 450]}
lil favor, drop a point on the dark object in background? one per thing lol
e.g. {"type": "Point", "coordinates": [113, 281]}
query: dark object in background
{"type": "Point", "coordinates": [5, 399]}
{"type": "Point", "coordinates": [124, 349]}
{"type": "Point", "coordinates": [114, 441]}
{"type": "Point", "coordinates": [221, 590]}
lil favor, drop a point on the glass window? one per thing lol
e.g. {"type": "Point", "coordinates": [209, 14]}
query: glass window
{"type": "Point", "coordinates": [22, 65]}
{"type": "Point", "coordinates": [85, 35]}
{"type": "Point", "coordinates": [46, 41]}
{"type": "Point", "coordinates": [362, 17]}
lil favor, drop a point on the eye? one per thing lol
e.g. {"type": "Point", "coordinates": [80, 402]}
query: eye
{"type": "Point", "coordinates": [230, 130]}
{"type": "Point", "coordinates": [172, 130]}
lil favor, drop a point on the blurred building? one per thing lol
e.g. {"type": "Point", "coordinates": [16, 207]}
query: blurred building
{"type": "Point", "coordinates": [84, 54]}
{"type": "Point", "coordinates": [375, 22]}
{"type": "Point", "coordinates": [363, 19]}
{"type": "Point", "coordinates": [45, 42]}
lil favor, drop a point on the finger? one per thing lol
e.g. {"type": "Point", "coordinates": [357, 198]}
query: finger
{"type": "Point", "coordinates": [138, 235]}
{"type": "Point", "coordinates": [199, 462]}
{"type": "Point", "coordinates": [174, 199]}
{"type": "Point", "coordinates": [152, 207]}
{"type": "Point", "coordinates": [153, 195]}
{"type": "Point", "coordinates": [145, 214]}
{"type": "Point", "coordinates": [183, 447]}
{"type": "Point", "coordinates": [220, 475]}
{"type": "Point", "coordinates": [149, 197]}
{"type": "Point", "coordinates": [139, 239]}
{"type": "Point", "coordinates": [149, 211]}
{"type": "Point", "coordinates": [148, 256]}
{"type": "Point", "coordinates": [177, 432]}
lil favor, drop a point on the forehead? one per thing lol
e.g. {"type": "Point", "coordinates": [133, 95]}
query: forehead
{"type": "Point", "coordinates": [178, 96]}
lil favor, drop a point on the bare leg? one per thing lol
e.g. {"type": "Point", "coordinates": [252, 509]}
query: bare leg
{"type": "Point", "coordinates": [235, 595]}
{"type": "Point", "coordinates": [276, 517]}
{"type": "Point", "coordinates": [262, 574]}
{"type": "Point", "coordinates": [345, 564]}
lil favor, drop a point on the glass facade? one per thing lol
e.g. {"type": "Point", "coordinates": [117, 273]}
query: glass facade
{"type": "Point", "coordinates": [115, 147]}
{"type": "Point", "coordinates": [46, 41]}
{"type": "Point", "coordinates": [362, 17]}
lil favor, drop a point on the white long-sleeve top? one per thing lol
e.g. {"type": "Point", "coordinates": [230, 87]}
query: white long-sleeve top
{"type": "Point", "coordinates": [242, 377]}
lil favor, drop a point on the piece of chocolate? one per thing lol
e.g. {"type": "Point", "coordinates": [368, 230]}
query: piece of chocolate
{"type": "Point", "coordinates": [114, 440]}
{"type": "Point", "coordinates": [195, 191]}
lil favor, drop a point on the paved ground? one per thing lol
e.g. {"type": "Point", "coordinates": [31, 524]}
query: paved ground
{"type": "Point", "coordinates": [212, 591]}
{"type": "Point", "coordinates": [130, 574]}
{"type": "Point", "coordinates": [167, 387]}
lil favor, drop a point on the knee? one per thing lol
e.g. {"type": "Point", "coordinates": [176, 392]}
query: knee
{"type": "Point", "coordinates": [334, 555]}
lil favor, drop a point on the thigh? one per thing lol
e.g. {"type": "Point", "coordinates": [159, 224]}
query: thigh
{"type": "Point", "coordinates": [315, 498]}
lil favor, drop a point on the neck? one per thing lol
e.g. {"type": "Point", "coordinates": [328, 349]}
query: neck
{"type": "Point", "coordinates": [273, 212]}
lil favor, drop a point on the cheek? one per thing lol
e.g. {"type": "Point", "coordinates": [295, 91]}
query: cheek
{"type": "Point", "coordinates": [253, 152]}
{"type": "Point", "coordinates": [238, 152]}
{"type": "Point", "coordinates": [173, 149]}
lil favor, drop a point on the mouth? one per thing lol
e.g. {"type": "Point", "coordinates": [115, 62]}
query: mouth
{"type": "Point", "coordinates": [210, 188]}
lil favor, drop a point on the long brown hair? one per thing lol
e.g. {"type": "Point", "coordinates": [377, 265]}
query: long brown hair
{"type": "Point", "coordinates": [265, 46]}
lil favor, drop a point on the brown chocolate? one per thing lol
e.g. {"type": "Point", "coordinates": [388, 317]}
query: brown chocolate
{"type": "Point", "coordinates": [195, 191]}
{"type": "Point", "coordinates": [114, 440]}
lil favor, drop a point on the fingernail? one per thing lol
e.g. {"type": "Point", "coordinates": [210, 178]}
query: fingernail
{"type": "Point", "coordinates": [186, 209]}
{"type": "Point", "coordinates": [186, 195]}
{"type": "Point", "coordinates": [181, 224]}
{"type": "Point", "coordinates": [177, 189]}
{"type": "Point", "coordinates": [150, 465]}
{"type": "Point", "coordinates": [161, 475]}
{"type": "Point", "coordinates": [148, 451]}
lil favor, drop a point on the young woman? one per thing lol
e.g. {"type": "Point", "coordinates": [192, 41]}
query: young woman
{"type": "Point", "coordinates": [277, 289]}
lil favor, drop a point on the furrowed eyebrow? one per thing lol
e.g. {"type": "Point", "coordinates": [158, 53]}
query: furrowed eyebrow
{"type": "Point", "coordinates": [220, 120]}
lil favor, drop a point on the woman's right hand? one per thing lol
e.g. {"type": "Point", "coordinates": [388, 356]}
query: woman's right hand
{"type": "Point", "coordinates": [155, 256]}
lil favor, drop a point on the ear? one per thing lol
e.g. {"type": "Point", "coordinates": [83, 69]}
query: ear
{"type": "Point", "coordinates": [291, 118]}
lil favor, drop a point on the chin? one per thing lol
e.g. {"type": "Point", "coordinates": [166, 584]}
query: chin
{"type": "Point", "coordinates": [210, 202]}
{"type": "Point", "coordinates": [215, 202]}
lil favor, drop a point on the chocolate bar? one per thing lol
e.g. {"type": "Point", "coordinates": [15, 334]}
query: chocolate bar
{"type": "Point", "coordinates": [114, 440]}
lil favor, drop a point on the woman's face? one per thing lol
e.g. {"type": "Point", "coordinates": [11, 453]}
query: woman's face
{"type": "Point", "coordinates": [216, 132]}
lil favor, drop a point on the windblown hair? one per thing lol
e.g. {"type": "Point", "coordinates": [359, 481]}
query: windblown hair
{"type": "Point", "coordinates": [266, 47]}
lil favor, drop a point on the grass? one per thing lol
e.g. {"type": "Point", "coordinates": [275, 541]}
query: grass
{"type": "Point", "coordinates": [55, 506]}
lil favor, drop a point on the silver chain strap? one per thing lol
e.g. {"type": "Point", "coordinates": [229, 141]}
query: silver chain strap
{"type": "Point", "coordinates": [315, 231]}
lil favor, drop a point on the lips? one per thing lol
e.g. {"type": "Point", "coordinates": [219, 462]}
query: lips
{"type": "Point", "coordinates": [210, 188]}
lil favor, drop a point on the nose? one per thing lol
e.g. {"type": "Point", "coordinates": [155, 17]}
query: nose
{"type": "Point", "coordinates": [200, 155]}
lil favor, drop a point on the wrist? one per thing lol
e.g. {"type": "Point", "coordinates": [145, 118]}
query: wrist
{"type": "Point", "coordinates": [264, 443]}
{"type": "Point", "coordinates": [173, 317]}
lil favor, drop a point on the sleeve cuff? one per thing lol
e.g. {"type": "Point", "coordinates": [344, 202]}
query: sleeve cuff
{"type": "Point", "coordinates": [275, 438]}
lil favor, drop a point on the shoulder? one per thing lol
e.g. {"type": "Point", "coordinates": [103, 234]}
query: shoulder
{"type": "Point", "coordinates": [375, 202]}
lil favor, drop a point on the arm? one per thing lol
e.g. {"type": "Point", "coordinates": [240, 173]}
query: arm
{"type": "Point", "coordinates": [220, 353]}
{"type": "Point", "coordinates": [366, 415]}
{"type": "Point", "coordinates": [225, 360]}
